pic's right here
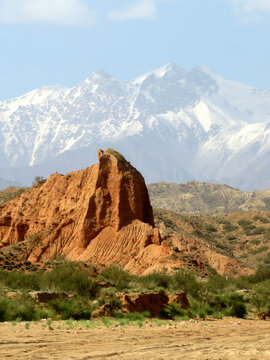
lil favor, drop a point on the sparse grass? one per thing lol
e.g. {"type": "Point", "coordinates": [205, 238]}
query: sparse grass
{"type": "Point", "coordinates": [115, 153]}
{"type": "Point", "coordinates": [10, 193]}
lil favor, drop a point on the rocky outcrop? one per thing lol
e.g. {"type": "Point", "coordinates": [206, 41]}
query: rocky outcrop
{"type": "Point", "coordinates": [180, 298]}
{"type": "Point", "coordinates": [154, 303]}
{"type": "Point", "coordinates": [101, 214]}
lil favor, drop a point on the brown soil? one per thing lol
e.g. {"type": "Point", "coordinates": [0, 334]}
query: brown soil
{"type": "Point", "coordinates": [227, 339]}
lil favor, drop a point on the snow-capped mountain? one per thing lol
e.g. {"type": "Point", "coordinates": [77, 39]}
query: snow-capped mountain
{"type": "Point", "coordinates": [173, 125]}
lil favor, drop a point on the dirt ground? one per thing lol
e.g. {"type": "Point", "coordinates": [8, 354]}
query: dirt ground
{"type": "Point", "coordinates": [219, 340]}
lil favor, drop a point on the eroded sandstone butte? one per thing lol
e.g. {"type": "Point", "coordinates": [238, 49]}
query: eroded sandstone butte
{"type": "Point", "coordinates": [101, 215]}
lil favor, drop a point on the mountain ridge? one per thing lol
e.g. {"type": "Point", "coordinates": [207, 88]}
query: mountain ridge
{"type": "Point", "coordinates": [173, 125]}
{"type": "Point", "coordinates": [204, 198]}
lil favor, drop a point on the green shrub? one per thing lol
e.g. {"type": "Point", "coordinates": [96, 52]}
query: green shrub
{"type": "Point", "coordinates": [156, 280]}
{"type": "Point", "coordinates": [260, 296]}
{"type": "Point", "coordinates": [255, 241]}
{"type": "Point", "coordinates": [198, 233]}
{"type": "Point", "coordinates": [22, 308]}
{"type": "Point", "coordinates": [76, 308]}
{"type": "Point", "coordinates": [70, 278]}
{"type": "Point", "coordinates": [231, 237]}
{"type": "Point", "coordinates": [173, 310]}
{"type": "Point", "coordinates": [246, 224]}
{"type": "Point", "coordinates": [266, 260]}
{"type": "Point", "coordinates": [262, 274]}
{"type": "Point", "coordinates": [258, 230]}
{"type": "Point", "coordinates": [20, 280]}
{"type": "Point", "coordinates": [184, 280]}
{"type": "Point", "coordinates": [210, 228]}
{"type": "Point", "coordinates": [217, 283]}
{"type": "Point", "coordinates": [266, 234]}
{"type": "Point", "coordinates": [259, 250]}
{"type": "Point", "coordinates": [118, 277]}
{"type": "Point", "coordinates": [261, 218]}
{"type": "Point", "coordinates": [236, 305]}
{"type": "Point", "coordinates": [228, 227]}
{"type": "Point", "coordinates": [238, 310]}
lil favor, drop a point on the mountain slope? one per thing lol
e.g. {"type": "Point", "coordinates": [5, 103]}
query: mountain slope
{"type": "Point", "coordinates": [205, 198]}
{"type": "Point", "coordinates": [242, 236]}
{"type": "Point", "coordinates": [172, 124]}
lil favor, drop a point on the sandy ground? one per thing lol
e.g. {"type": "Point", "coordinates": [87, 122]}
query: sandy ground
{"type": "Point", "coordinates": [221, 339]}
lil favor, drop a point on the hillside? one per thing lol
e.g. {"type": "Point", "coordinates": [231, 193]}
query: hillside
{"type": "Point", "coordinates": [243, 236]}
{"type": "Point", "coordinates": [10, 193]}
{"type": "Point", "coordinates": [101, 215]}
{"type": "Point", "coordinates": [172, 124]}
{"type": "Point", "coordinates": [206, 198]}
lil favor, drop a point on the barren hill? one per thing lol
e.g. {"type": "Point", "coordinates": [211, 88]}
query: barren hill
{"type": "Point", "coordinates": [206, 198]}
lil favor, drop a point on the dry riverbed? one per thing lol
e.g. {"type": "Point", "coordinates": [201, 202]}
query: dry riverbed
{"type": "Point", "coordinates": [224, 339]}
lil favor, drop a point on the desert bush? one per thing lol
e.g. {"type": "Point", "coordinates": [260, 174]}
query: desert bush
{"type": "Point", "coordinates": [156, 280]}
{"type": "Point", "coordinates": [246, 224]}
{"type": "Point", "coordinates": [173, 310]}
{"type": "Point", "coordinates": [117, 277]}
{"type": "Point", "coordinates": [20, 280]}
{"type": "Point", "coordinates": [261, 218]}
{"type": "Point", "coordinates": [259, 250]}
{"type": "Point", "coordinates": [266, 234]}
{"type": "Point", "coordinates": [37, 180]}
{"type": "Point", "coordinates": [266, 260]}
{"type": "Point", "coordinates": [260, 296]}
{"type": "Point", "coordinates": [75, 308]}
{"type": "Point", "coordinates": [255, 241]}
{"type": "Point", "coordinates": [235, 305]}
{"type": "Point", "coordinates": [217, 283]}
{"type": "Point", "coordinates": [184, 280]}
{"type": "Point", "coordinates": [70, 278]}
{"type": "Point", "coordinates": [238, 309]}
{"type": "Point", "coordinates": [21, 308]}
{"type": "Point", "coordinates": [198, 233]}
{"type": "Point", "coordinates": [258, 230]}
{"type": "Point", "coordinates": [262, 274]}
{"type": "Point", "coordinates": [228, 227]}
{"type": "Point", "coordinates": [210, 228]}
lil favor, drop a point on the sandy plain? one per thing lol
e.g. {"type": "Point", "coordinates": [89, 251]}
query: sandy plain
{"type": "Point", "coordinates": [205, 340]}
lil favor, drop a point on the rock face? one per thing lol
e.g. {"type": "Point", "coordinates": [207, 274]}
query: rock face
{"type": "Point", "coordinates": [101, 214]}
{"type": "Point", "coordinates": [152, 302]}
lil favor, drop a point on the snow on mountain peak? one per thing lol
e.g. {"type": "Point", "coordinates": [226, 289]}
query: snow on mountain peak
{"type": "Point", "coordinates": [174, 125]}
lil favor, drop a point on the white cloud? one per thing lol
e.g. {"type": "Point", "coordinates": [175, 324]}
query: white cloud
{"type": "Point", "coordinates": [60, 12]}
{"type": "Point", "coordinates": [251, 10]}
{"type": "Point", "coordinates": [142, 9]}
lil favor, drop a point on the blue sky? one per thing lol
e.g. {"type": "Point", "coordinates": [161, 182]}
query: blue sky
{"type": "Point", "coordinates": [49, 42]}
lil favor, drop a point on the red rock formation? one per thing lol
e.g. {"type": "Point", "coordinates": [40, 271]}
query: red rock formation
{"type": "Point", "coordinates": [101, 214]}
